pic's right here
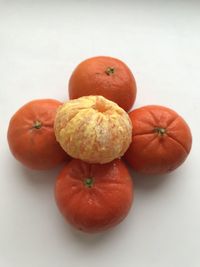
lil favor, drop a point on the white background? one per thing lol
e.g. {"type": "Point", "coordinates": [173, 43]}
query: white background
{"type": "Point", "coordinates": [41, 42]}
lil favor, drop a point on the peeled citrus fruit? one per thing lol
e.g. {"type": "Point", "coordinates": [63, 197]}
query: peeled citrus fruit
{"type": "Point", "coordinates": [93, 129]}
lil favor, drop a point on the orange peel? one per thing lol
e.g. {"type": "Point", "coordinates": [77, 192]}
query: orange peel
{"type": "Point", "coordinates": [93, 129]}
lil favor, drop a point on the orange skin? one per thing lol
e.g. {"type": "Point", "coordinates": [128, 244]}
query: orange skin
{"type": "Point", "coordinates": [31, 135]}
{"type": "Point", "coordinates": [104, 76]}
{"type": "Point", "coordinates": [161, 140]}
{"type": "Point", "coordinates": [94, 197]}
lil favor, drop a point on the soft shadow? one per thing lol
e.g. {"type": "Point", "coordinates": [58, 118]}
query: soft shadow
{"type": "Point", "coordinates": [41, 178]}
{"type": "Point", "coordinates": [88, 239]}
{"type": "Point", "coordinates": [150, 182]}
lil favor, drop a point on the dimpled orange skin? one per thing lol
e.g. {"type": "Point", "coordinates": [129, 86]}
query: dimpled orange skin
{"type": "Point", "coordinates": [104, 76]}
{"type": "Point", "coordinates": [161, 140]}
{"type": "Point", "coordinates": [94, 197]}
{"type": "Point", "coordinates": [93, 129]}
{"type": "Point", "coordinates": [31, 135]}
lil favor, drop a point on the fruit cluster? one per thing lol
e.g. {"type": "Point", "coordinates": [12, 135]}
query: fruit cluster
{"type": "Point", "coordinates": [94, 135]}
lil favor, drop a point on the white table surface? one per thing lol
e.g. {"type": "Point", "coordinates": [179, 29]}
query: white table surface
{"type": "Point", "coordinates": [41, 42]}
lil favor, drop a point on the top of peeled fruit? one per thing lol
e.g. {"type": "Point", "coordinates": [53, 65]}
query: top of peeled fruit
{"type": "Point", "coordinates": [93, 129]}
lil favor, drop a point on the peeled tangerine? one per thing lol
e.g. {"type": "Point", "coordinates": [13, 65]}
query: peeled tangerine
{"type": "Point", "coordinates": [93, 129]}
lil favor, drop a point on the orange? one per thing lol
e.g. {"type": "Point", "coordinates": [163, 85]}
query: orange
{"type": "Point", "coordinates": [94, 197]}
{"type": "Point", "coordinates": [31, 136]}
{"type": "Point", "coordinates": [161, 140]}
{"type": "Point", "coordinates": [104, 76]}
